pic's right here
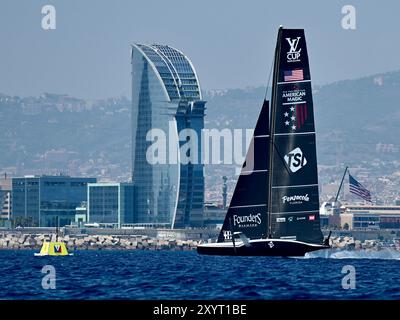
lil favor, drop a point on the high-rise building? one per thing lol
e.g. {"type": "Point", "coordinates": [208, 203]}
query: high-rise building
{"type": "Point", "coordinates": [166, 96]}
{"type": "Point", "coordinates": [39, 200]}
{"type": "Point", "coordinates": [5, 198]}
{"type": "Point", "coordinates": [111, 203]}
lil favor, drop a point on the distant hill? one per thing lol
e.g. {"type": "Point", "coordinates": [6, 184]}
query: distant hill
{"type": "Point", "coordinates": [58, 133]}
{"type": "Point", "coordinates": [356, 121]}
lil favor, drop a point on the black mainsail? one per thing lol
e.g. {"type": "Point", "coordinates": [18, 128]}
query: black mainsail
{"type": "Point", "coordinates": [275, 205]}
{"type": "Point", "coordinates": [294, 209]}
{"type": "Point", "coordinates": [247, 211]}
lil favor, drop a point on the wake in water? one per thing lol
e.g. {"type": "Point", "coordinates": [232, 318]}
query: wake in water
{"type": "Point", "coordinates": [385, 253]}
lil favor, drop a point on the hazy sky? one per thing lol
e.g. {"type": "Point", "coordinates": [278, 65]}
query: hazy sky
{"type": "Point", "coordinates": [230, 42]}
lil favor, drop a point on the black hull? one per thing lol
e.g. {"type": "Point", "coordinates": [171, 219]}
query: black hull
{"type": "Point", "coordinates": [265, 247]}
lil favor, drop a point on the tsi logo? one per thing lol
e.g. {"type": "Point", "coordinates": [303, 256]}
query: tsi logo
{"type": "Point", "coordinates": [295, 159]}
{"type": "Point", "coordinates": [293, 55]}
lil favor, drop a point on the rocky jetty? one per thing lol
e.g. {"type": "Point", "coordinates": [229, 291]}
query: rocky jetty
{"type": "Point", "coordinates": [92, 242]}
{"type": "Point", "coordinates": [142, 242]}
{"type": "Point", "coordinates": [350, 243]}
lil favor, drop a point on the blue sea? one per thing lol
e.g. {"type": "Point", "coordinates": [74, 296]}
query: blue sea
{"type": "Point", "coordinates": [187, 275]}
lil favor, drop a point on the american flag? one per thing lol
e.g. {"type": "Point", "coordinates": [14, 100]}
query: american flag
{"type": "Point", "coordinates": [293, 75]}
{"type": "Point", "coordinates": [295, 116]}
{"type": "Point", "coordinates": [358, 189]}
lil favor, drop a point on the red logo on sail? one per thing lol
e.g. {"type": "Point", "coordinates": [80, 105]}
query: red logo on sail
{"type": "Point", "coordinates": [295, 116]}
{"type": "Point", "coordinates": [301, 115]}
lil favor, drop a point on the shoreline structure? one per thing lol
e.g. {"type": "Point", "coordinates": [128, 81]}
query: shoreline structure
{"type": "Point", "coordinates": [163, 239]}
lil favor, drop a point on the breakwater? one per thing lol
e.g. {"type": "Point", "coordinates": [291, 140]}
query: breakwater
{"type": "Point", "coordinates": [96, 242]}
{"type": "Point", "coordinates": [13, 240]}
{"type": "Point", "coordinates": [350, 243]}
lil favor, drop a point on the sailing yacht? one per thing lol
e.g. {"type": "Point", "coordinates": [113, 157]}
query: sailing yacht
{"type": "Point", "coordinates": [274, 210]}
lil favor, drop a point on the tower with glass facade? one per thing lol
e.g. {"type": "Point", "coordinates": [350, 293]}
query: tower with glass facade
{"type": "Point", "coordinates": [39, 200]}
{"type": "Point", "coordinates": [166, 96]}
{"type": "Point", "coordinates": [111, 203]}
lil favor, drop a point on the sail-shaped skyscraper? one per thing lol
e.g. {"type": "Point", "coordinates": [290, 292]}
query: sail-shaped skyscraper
{"type": "Point", "coordinates": [166, 97]}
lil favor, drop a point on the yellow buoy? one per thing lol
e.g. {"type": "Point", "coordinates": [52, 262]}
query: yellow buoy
{"type": "Point", "coordinates": [53, 249]}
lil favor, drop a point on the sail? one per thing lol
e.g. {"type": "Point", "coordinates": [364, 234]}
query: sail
{"type": "Point", "coordinates": [247, 211]}
{"type": "Point", "coordinates": [294, 209]}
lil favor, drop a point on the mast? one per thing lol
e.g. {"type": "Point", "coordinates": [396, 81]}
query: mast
{"type": "Point", "coordinates": [341, 183]}
{"type": "Point", "coordinates": [57, 228]}
{"type": "Point", "coordinates": [272, 129]}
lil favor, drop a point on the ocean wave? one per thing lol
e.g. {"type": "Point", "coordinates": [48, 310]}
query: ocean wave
{"type": "Point", "coordinates": [385, 253]}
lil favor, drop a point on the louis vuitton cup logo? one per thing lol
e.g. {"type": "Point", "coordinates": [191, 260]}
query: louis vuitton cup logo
{"type": "Point", "coordinates": [293, 55]}
{"type": "Point", "coordinates": [295, 160]}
